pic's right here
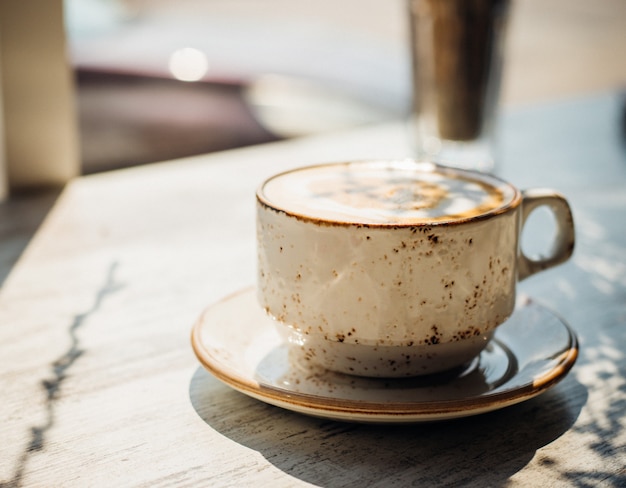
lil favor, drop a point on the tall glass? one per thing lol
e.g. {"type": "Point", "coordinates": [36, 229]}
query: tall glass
{"type": "Point", "coordinates": [457, 54]}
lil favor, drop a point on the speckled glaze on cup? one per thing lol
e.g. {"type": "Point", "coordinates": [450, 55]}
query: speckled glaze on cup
{"type": "Point", "coordinates": [394, 268]}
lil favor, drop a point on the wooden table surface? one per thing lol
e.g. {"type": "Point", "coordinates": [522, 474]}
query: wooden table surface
{"type": "Point", "coordinates": [100, 386]}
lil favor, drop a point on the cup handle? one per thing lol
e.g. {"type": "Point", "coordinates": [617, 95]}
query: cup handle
{"type": "Point", "coordinates": [563, 245]}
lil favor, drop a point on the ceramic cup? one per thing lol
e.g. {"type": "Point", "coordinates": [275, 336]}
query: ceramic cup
{"type": "Point", "coordinates": [395, 268]}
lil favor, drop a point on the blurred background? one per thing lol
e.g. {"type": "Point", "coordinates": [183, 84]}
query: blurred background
{"type": "Point", "coordinates": [95, 85]}
{"type": "Point", "coordinates": [161, 79]}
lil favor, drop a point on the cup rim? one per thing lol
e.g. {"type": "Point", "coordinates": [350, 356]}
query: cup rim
{"type": "Point", "coordinates": [513, 202]}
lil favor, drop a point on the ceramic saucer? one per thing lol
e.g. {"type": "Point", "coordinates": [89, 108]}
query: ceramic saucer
{"type": "Point", "coordinates": [238, 343]}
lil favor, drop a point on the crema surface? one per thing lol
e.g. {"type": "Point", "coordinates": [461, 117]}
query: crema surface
{"type": "Point", "coordinates": [390, 192]}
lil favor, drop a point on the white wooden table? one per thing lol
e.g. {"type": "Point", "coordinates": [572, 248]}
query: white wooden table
{"type": "Point", "coordinates": [100, 386]}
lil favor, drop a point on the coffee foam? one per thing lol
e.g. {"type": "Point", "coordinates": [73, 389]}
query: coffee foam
{"type": "Point", "coordinates": [389, 192]}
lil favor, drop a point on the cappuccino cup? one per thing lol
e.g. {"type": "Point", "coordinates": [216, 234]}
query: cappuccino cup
{"type": "Point", "coordinates": [395, 268]}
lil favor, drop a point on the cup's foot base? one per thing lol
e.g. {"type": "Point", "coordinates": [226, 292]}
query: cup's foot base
{"type": "Point", "coordinates": [389, 361]}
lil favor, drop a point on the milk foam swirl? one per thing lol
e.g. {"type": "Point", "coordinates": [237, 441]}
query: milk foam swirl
{"type": "Point", "coordinates": [389, 192]}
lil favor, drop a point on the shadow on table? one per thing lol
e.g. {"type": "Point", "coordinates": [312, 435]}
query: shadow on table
{"type": "Point", "coordinates": [487, 449]}
{"type": "Point", "coordinates": [20, 217]}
